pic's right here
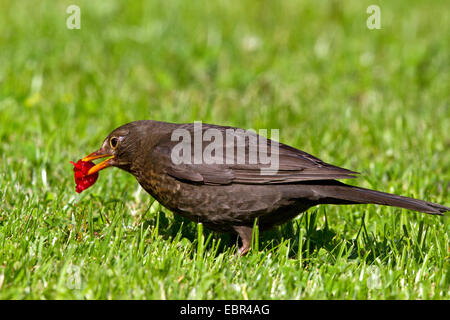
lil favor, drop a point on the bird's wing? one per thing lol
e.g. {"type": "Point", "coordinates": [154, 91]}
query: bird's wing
{"type": "Point", "coordinates": [240, 158]}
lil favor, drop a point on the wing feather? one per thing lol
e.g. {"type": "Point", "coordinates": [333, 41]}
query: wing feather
{"type": "Point", "coordinates": [293, 165]}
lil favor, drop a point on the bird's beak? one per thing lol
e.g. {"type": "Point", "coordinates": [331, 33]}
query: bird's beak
{"type": "Point", "coordinates": [102, 165]}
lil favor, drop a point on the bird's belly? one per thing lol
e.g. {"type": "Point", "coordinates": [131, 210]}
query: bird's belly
{"type": "Point", "coordinates": [224, 206]}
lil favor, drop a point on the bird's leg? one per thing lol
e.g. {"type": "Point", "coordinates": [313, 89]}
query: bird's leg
{"type": "Point", "coordinates": [246, 237]}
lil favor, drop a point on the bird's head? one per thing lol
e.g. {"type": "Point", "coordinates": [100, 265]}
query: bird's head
{"type": "Point", "coordinates": [119, 148]}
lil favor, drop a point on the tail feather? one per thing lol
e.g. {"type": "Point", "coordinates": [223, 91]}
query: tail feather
{"type": "Point", "coordinates": [345, 194]}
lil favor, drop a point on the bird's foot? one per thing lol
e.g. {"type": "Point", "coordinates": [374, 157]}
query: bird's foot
{"type": "Point", "coordinates": [243, 250]}
{"type": "Point", "coordinates": [245, 233]}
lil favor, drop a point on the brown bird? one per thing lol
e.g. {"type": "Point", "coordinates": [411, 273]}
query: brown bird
{"type": "Point", "coordinates": [229, 193]}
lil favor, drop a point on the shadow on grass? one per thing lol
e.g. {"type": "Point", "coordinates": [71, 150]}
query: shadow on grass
{"type": "Point", "coordinates": [314, 239]}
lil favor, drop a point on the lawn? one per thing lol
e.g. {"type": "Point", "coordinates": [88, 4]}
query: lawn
{"type": "Point", "coordinates": [373, 101]}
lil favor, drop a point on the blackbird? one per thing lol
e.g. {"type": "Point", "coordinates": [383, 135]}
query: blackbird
{"type": "Point", "coordinates": [228, 195]}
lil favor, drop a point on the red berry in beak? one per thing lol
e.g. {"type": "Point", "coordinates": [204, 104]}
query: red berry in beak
{"type": "Point", "coordinates": [82, 179]}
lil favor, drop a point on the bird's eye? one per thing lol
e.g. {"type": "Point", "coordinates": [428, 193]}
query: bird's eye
{"type": "Point", "coordinates": [113, 142]}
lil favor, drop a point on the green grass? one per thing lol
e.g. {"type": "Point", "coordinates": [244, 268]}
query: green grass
{"type": "Point", "coordinates": [374, 101]}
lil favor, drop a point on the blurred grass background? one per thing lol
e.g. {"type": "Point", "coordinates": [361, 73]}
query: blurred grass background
{"type": "Point", "coordinates": [374, 101]}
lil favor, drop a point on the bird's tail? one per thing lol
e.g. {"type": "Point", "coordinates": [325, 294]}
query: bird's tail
{"type": "Point", "coordinates": [341, 193]}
